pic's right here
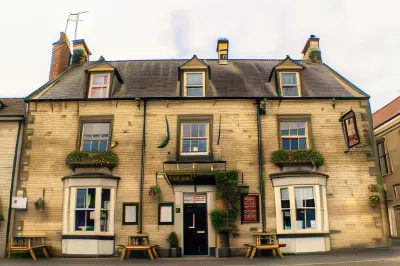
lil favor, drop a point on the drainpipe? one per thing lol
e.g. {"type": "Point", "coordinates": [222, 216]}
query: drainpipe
{"type": "Point", "coordinates": [12, 183]}
{"type": "Point", "coordinates": [142, 169]}
{"type": "Point", "coordinates": [260, 170]}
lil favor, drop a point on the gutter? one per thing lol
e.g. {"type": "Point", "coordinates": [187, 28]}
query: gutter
{"type": "Point", "coordinates": [260, 171]}
{"type": "Point", "coordinates": [12, 183]}
{"type": "Point", "coordinates": [142, 170]}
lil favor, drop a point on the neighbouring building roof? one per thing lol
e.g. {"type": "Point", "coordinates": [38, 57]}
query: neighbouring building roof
{"type": "Point", "coordinates": [386, 113]}
{"type": "Point", "coordinates": [160, 78]}
{"type": "Point", "coordinates": [12, 107]}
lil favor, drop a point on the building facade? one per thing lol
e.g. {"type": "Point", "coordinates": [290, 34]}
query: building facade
{"type": "Point", "coordinates": [12, 113]}
{"type": "Point", "coordinates": [387, 133]}
{"type": "Point", "coordinates": [171, 126]}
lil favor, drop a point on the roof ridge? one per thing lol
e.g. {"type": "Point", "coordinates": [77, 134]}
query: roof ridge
{"type": "Point", "coordinates": [208, 59]}
{"type": "Point", "coordinates": [380, 109]}
{"type": "Point", "coordinates": [7, 99]}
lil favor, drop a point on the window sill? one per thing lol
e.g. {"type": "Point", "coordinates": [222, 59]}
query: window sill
{"type": "Point", "coordinates": [383, 175]}
{"type": "Point", "coordinates": [194, 154]}
{"type": "Point", "coordinates": [305, 232]}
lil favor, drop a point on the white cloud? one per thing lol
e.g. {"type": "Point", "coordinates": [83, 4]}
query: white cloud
{"type": "Point", "coordinates": [359, 39]}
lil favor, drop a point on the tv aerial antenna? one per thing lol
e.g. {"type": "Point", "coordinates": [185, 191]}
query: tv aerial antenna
{"type": "Point", "coordinates": [74, 17]}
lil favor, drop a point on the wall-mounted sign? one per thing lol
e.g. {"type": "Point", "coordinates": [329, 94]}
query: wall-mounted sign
{"type": "Point", "coordinates": [250, 208]}
{"type": "Point", "coordinates": [349, 124]}
{"type": "Point", "coordinates": [165, 213]}
{"type": "Point", "coordinates": [194, 198]}
{"type": "Point", "coordinates": [19, 203]}
{"type": "Point", "coordinates": [180, 179]}
{"type": "Point", "coordinates": [130, 213]}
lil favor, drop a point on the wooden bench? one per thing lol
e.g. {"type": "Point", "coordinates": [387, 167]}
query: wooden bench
{"type": "Point", "coordinates": [151, 250]}
{"type": "Point", "coordinates": [273, 245]}
{"type": "Point", "coordinates": [28, 244]}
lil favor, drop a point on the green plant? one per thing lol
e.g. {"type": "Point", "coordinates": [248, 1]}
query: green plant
{"type": "Point", "coordinates": [314, 56]}
{"type": "Point", "coordinates": [173, 240]}
{"type": "Point", "coordinates": [374, 199]}
{"type": "Point", "coordinates": [39, 204]}
{"type": "Point", "coordinates": [155, 191]}
{"type": "Point", "coordinates": [78, 57]}
{"type": "Point", "coordinates": [289, 158]}
{"type": "Point", "coordinates": [1, 216]}
{"type": "Point", "coordinates": [107, 159]}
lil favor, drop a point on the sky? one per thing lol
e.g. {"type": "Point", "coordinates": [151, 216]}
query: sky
{"type": "Point", "coordinates": [360, 39]}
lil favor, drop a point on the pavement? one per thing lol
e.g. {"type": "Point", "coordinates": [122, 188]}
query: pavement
{"type": "Point", "coordinates": [371, 257]}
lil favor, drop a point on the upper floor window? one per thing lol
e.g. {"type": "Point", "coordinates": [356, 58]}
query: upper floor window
{"type": "Point", "coordinates": [396, 191]}
{"type": "Point", "coordinates": [95, 137]}
{"type": "Point", "coordinates": [195, 138]}
{"type": "Point", "coordinates": [99, 86]}
{"type": "Point", "coordinates": [290, 84]}
{"type": "Point", "coordinates": [194, 84]}
{"type": "Point", "coordinates": [294, 135]}
{"type": "Point", "coordinates": [384, 158]}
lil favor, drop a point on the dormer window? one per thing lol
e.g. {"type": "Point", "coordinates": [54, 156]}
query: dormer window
{"type": "Point", "coordinates": [194, 84]}
{"type": "Point", "coordinates": [290, 84]}
{"type": "Point", "coordinates": [99, 86]}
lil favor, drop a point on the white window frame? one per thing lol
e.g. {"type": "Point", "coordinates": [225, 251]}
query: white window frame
{"type": "Point", "coordinates": [306, 136]}
{"type": "Point", "coordinates": [70, 194]}
{"type": "Point", "coordinates": [207, 137]}
{"type": "Point", "coordinates": [396, 189]}
{"type": "Point", "coordinates": [298, 85]}
{"type": "Point", "coordinates": [203, 86]}
{"type": "Point", "coordinates": [93, 139]}
{"type": "Point", "coordinates": [321, 210]}
{"type": "Point", "coordinates": [105, 86]}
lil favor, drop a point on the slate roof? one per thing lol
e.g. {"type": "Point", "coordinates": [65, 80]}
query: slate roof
{"type": "Point", "coordinates": [13, 107]}
{"type": "Point", "coordinates": [386, 113]}
{"type": "Point", "coordinates": [159, 78]}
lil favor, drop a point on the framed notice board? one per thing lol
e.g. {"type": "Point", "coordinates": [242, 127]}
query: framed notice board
{"type": "Point", "coordinates": [165, 213]}
{"type": "Point", "coordinates": [250, 208]}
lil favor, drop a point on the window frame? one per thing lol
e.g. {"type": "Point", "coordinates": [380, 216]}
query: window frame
{"type": "Point", "coordinates": [396, 195]}
{"type": "Point", "coordinates": [194, 119]}
{"type": "Point", "coordinates": [296, 118]}
{"type": "Point", "coordinates": [94, 119]}
{"type": "Point", "coordinates": [386, 157]}
{"type": "Point", "coordinates": [92, 75]}
{"type": "Point", "coordinates": [298, 81]}
{"type": "Point", "coordinates": [185, 79]}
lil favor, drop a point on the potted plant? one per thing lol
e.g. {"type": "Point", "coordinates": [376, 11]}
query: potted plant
{"type": "Point", "coordinates": [39, 204]}
{"type": "Point", "coordinates": [374, 199]}
{"type": "Point", "coordinates": [1, 216]}
{"type": "Point", "coordinates": [155, 192]}
{"type": "Point", "coordinates": [174, 250]}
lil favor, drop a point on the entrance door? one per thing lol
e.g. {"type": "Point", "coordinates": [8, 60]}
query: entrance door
{"type": "Point", "coordinates": [195, 229]}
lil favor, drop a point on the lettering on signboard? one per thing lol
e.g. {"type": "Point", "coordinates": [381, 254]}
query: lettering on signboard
{"type": "Point", "coordinates": [250, 208]}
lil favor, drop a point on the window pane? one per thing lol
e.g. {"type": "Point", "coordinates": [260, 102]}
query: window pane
{"type": "Point", "coordinates": [96, 128]}
{"type": "Point", "coordinates": [287, 224]}
{"type": "Point", "coordinates": [286, 144]}
{"type": "Point", "coordinates": [91, 198]}
{"type": "Point", "coordinates": [84, 220]}
{"type": "Point", "coordinates": [186, 146]}
{"type": "Point", "coordinates": [293, 128]}
{"type": "Point", "coordinates": [382, 162]}
{"type": "Point", "coordinates": [203, 145]}
{"type": "Point", "coordinates": [289, 79]}
{"type": "Point", "coordinates": [96, 92]}
{"type": "Point", "coordinates": [195, 146]}
{"type": "Point", "coordinates": [302, 144]}
{"type": "Point", "coordinates": [95, 146]}
{"type": "Point", "coordinates": [300, 219]}
{"type": "Point", "coordinates": [186, 130]}
{"type": "Point", "coordinates": [195, 130]}
{"type": "Point", "coordinates": [81, 198]}
{"type": "Point", "coordinates": [284, 128]}
{"type": "Point", "coordinates": [381, 149]}
{"type": "Point", "coordinates": [105, 198]}
{"type": "Point", "coordinates": [86, 146]}
{"type": "Point", "coordinates": [301, 128]}
{"type": "Point", "coordinates": [294, 144]}
{"type": "Point", "coordinates": [310, 219]}
{"type": "Point", "coordinates": [99, 80]}
{"type": "Point", "coordinates": [202, 127]}
{"type": "Point", "coordinates": [103, 146]}
{"type": "Point", "coordinates": [194, 79]}
{"type": "Point", "coordinates": [290, 91]}
{"type": "Point", "coordinates": [285, 202]}
{"type": "Point", "coordinates": [304, 197]}
{"type": "Point", "coordinates": [104, 221]}
{"type": "Point", "coordinates": [194, 91]}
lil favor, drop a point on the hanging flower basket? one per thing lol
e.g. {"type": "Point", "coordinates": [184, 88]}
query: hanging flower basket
{"type": "Point", "coordinates": [374, 199]}
{"type": "Point", "coordinates": [39, 204]}
{"type": "Point", "coordinates": [155, 192]}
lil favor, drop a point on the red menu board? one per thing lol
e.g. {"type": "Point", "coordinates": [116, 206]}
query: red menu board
{"type": "Point", "coordinates": [250, 208]}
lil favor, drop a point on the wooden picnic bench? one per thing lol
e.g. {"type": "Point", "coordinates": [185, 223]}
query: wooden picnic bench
{"type": "Point", "coordinates": [139, 242]}
{"type": "Point", "coordinates": [264, 241]}
{"type": "Point", "coordinates": [28, 244]}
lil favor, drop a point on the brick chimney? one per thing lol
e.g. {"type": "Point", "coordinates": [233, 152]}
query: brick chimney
{"type": "Point", "coordinates": [61, 55]}
{"type": "Point", "coordinates": [81, 52]}
{"type": "Point", "coordinates": [222, 49]}
{"type": "Point", "coordinates": [311, 52]}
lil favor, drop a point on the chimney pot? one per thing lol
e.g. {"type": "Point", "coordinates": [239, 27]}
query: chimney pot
{"type": "Point", "coordinates": [60, 57]}
{"type": "Point", "coordinates": [222, 49]}
{"type": "Point", "coordinates": [81, 52]}
{"type": "Point", "coordinates": [311, 52]}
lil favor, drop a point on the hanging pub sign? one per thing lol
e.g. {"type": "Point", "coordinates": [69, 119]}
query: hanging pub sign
{"type": "Point", "coordinates": [250, 208]}
{"type": "Point", "coordinates": [349, 124]}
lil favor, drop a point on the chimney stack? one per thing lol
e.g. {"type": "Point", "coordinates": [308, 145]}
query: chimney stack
{"type": "Point", "coordinates": [61, 55]}
{"type": "Point", "coordinates": [81, 52]}
{"type": "Point", "coordinates": [222, 49]}
{"type": "Point", "coordinates": [311, 52]}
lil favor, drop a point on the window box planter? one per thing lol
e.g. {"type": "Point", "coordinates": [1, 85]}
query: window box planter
{"type": "Point", "coordinates": [80, 159]}
{"type": "Point", "coordinates": [299, 159]}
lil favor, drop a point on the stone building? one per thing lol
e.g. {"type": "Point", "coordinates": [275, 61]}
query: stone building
{"type": "Point", "coordinates": [173, 124]}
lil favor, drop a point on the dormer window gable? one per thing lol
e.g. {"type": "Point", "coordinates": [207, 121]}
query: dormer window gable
{"type": "Point", "coordinates": [102, 77]}
{"type": "Point", "coordinates": [193, 78]}
{"type": "Point", "coordinates": [287, 77]}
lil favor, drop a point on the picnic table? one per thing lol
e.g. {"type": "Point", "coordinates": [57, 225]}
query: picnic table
{"type": "Point", "coordinates": [139, 242]}
{"type": "Point", "coordinates": [28, 244]}
{"type": "Point", "coordinates": [264, 241]}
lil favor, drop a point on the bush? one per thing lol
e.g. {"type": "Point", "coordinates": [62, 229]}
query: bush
{"type": "Point", "coordinates": [290, 158]}
{"type": "Point", "coordinates": [173, 240]}
{"type": "Point", "coordinates": [107, 159]}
